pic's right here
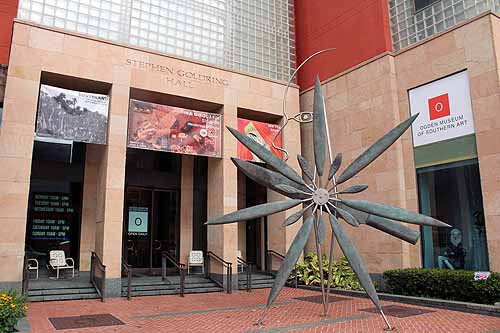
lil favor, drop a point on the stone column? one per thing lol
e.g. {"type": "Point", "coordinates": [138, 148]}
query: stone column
{"type": "Point", "coordinates": [110, 190]}
{"type": "Point", "coordinates": [222, 198]}
{"type": "Point", "coordinates": [186, 211]}
{"type": "Point", "coordinates": [16, 149]}
{"type": "Point", "coordinates": [89, 209]}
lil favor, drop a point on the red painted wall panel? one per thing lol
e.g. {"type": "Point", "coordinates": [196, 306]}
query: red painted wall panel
{"type": "Point", "coordinates": [358, 29]}
{"type": "Point", "coordinates": [8, 11]}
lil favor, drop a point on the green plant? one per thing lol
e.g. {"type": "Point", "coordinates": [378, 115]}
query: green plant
{"type": "Point", "coordinates": [455, 285]}
{"type": "Point", "coordinates": [12, 308]}
{"type": "Point", "coordinates": [343, 276]}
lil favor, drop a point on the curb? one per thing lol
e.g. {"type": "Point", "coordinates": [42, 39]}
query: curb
{"type": "Point", "coordinates": [483, 309]}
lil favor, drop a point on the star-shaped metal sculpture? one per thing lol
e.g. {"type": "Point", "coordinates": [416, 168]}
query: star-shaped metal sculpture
{"type": "Point", "coordinates": [321, 193]}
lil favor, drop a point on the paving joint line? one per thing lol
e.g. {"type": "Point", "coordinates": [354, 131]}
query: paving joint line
{"type": "Point", "coordinates": [311, 324]}
{"type": "Point", "coordinates": [231, 308]}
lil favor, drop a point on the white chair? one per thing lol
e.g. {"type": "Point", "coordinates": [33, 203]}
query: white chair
{"type": "Point", "coordinates": [33, 266]}
{"type": "Point", "coordinates": [240, 265]}
{"type": "Point", "coordinates": [195, 259]}
{"type": "Point", "coordinates": [58, 261]}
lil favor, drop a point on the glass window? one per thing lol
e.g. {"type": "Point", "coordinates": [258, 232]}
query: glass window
{"type": "Point", "coordinates": [452, 193]}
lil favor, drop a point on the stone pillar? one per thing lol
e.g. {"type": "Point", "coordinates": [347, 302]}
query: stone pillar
{"type": "Point", "coordinates": [186, 211]}
{"type": "Point", "coordinates": [110, 190]}
{"type": "Point", "coordinates": [89, 209]}
{"type": "Point", "coordinates": [16, 149]}
{"type": "Point", "coordinates": [222, 198]}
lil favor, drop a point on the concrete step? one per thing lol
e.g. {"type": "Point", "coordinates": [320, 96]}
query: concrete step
{"type": "Point", "coordinates": [167, 286]}
{"type": "Point", "coordinates": [61, 291]}
{"type": "Point", "coordinates": [62, 297]}
{"type": "Point", "coordinates": [171, 291]}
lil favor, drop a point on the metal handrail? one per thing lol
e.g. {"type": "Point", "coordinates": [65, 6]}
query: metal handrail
{"type": "Point", "coordinates": [128, 270]}
{"type": "Point", "coordinates": [100, 286]}
{"type": "Point", "coordinates": [227, 265]}
{"type": "Point", "coordinates": [248, 266]}
{"type": "Point", "coordinates": [181, 267]}
{"type": "Point", "coordinates": [26, 278]}
{"type": "Point", "coordinates": [270, 254]}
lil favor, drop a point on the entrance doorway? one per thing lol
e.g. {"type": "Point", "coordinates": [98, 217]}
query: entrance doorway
{"type": "Point", "coordinates": [151, 209]}
{"type": "Point", "coordinates": [256, 229]}
{"type": "Point", "coordinates": [151, 227]}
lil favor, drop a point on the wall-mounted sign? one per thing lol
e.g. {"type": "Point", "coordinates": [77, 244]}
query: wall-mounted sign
{"type": "Point", "coordinates": [138, 221]}
{"type": "Point", "coordinates": [445, 110]}
{"type": "Point", "coordinates": [52, 214]}
{"type": "Point", "coordinates": [72, 115]}
{"type": "Point", "coordinates": [177, 130]}
{"type": "Point", "coordinates": [261, 132]}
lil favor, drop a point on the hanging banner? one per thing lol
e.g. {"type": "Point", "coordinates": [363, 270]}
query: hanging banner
{"type": "Point", "coordinates": [138, 221]}
{"type": "Point", "coordinates": [263, 133]}
{"type": "Point", "coordinates": [172, 129]}
{"type": "Point", "coordinates": [445, 110]}
{"type": "Point", "coordinates": [72, 115]}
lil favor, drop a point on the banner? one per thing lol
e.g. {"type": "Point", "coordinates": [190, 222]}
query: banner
{"type": "Point", "coordinates": [445, 110]}
{"type": "Point", "coordinates": [172, 129]}
{"type": "Point", "coordinates": [138, 221]}
{"type": "Point", "coordinates": [72, 115]}
{"type": "Point", "coordinates": [261, 132]}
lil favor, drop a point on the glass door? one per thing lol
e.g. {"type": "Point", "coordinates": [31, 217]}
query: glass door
{"type": "Point", "coordinates": [165, 226]}
{"type": "Point", "coordinates": [137, 227]}
{"type": "Point", "coordinates": [151, 226]}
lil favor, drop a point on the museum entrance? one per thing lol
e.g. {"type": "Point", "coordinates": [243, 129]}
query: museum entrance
{"type": "Point", "coordinates": [151, 209]}
{"type": "Point", "coordinates": [55, 201]}
{"type": "Point", "coordinates": [151, 227]}
{"type": "Point", "coordinates": [252, 234]}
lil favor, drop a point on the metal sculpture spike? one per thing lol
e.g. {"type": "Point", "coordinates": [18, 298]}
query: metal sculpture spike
{"type": "Point", "coordinates": [325, 198]}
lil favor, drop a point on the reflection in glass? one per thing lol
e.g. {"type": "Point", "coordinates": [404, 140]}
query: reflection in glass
{"type": "Point", "coordinates": [452, 193]}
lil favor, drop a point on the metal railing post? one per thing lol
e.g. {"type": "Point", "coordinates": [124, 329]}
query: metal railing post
{"type": "Point", "coordinates": [103, 287]}
{"type": "Point", "coordinates": [92, 267]}
{"type": "Point", "coordinates": [163, 267]}
{"type": "Point", "coordinates": [129, 282]}
{"type": "Point", "coordinates": [230, 278]}
{"type": "Point", "coordinates": [183, 278]}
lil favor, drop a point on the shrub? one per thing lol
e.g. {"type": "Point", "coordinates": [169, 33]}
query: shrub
{"type": "Point", "coordinates": [12, 308]}
{"type": "Point", "coordinates": [342, 273]}
{"type": "Point", "coordinates": [455, 285]}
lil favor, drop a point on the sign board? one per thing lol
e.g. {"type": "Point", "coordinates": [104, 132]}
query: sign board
{"type": "Point", "coordinates": [72, 115]}
{"type": "Point", "coordinates": [138, 221]}
{"type": "Point", "coordinates": [52, 215]}
{"type": "Point", "coordinates": [261, 132]}
{"type": "Point", "coordinates": [445, 110]}
{"type": "Point", "coordinates": [478, 276]}
{"type": "Point", "coordinates": [172, 129]}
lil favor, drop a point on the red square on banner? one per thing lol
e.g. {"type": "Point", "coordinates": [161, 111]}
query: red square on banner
{"type": "Point", "coordinates": [439, 107]}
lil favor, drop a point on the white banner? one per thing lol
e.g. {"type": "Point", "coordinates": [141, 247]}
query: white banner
{"type": "Point", "coordinates": [72, 115]}
{"type": "Point", "coordinates": [445, 110]}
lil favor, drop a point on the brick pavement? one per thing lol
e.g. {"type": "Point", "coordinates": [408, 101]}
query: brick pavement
{"type": "Point", "coordinates": [220, 312]}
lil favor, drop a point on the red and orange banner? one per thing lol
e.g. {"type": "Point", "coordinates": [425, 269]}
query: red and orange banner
{"type": "Point", "coordinates": [262, 133]}
{"type": "Point", "coordinates": [172, 129]}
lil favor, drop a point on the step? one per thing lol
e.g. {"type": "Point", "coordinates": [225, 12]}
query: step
{"type": "Point", "coordinates": [172, 292]}
{"type": "Point", "coordinates": [171, 286]}
{"type": "Point", "coordinates": [62, 297]}
{"type": "Point", "coordinates": [61, 291]}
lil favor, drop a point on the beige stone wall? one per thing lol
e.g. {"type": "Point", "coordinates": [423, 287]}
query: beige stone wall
{"type": "Point", "coordinates": [36, 50]}
{"type": "Point", "coordinates": [368, 101]}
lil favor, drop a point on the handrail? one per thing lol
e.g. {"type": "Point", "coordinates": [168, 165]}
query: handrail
{"type": "Point", "coordinates": [181, 267]}
{"type": "Point", "coordinates": [26, 278]}
{"type": "Point", "coordinates": [128, 269]}
{"type": "Point", "coordinates": [249, 272]}
{"type": "Point", "coordinates": [98, 282]}
{"type": "Point", "coordinates": [227, 265]}
{"type": "Point", "coordinates": [270, 254]}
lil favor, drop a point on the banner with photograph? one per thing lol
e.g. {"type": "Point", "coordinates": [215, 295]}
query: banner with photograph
{"type": "Point", "coordinates": [261, 132]}
{"type": "Point", "coordinates": [172, 129]}
{"type": "Point", "coordinates": [72, 115]}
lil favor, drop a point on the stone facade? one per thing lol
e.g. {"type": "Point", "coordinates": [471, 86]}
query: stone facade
{"type": "Point", "coordinates": [37, 50]}
{"type": "Point", "coordinates": [372, 98]}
